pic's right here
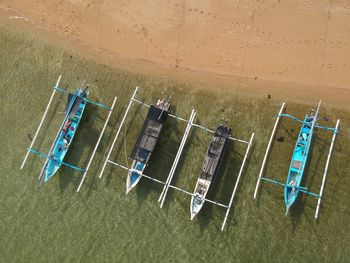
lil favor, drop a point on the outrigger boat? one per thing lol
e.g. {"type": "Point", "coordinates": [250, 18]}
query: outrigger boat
{"type": "Point", "coordinates": [210, 167]}
{"type": "Point", "coordinates": [147, 141]}
{"type": "Point", "coordinates": [299, 159]}
{"type": "Point", "coordinates": [73, 114]}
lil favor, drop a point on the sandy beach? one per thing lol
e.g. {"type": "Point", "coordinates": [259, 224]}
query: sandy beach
{"type": "Point", "coordinates": [299, 49]}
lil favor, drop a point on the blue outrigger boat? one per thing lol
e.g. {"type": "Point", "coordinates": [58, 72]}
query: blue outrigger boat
{"type": "Point", "coordinates": [73, 114]}
{"type": "Point", "coordinates": [299, 160]}
{"type": "Point", "coordinates": [298, 163]}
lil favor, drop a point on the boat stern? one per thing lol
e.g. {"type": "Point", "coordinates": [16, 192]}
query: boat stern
{"type": "Point", "coordinates": [287, 210]}
{"type": "Point", "coordinates": [290, 195]}
{"type": "Point", "coordinates": [197, 202]}
{"type": "Point", "coordinates": [51, 169]}
{"type": "Point", "coordinates": [134, 175]}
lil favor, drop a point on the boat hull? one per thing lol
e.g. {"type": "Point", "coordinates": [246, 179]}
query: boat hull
{"type": "Point", "coordinates": [197, 200]}
{"type": "Point", "coordinates": [146, 142]}
{"type": "Point", "coordinates": [75, 110]}
{"type": "Point", "coordinates": [210, 168]}
{"type": "Point", "coordinates": [298, 162]}
{"type": "Point", "coordinates": [134, 175]}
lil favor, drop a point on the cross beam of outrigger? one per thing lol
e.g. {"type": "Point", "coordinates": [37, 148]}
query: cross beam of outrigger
{"type": "Point", "coordinates": [55, 159]}
{"type": "Point", "coordinates": [167, 183]}
{"type": "Point", "coordinates": [66, 132]}
{"type": "Point", "coordinates": [299, 159]}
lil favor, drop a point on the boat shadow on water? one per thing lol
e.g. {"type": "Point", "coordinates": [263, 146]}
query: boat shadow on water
{"type": "Point", "coordinates": [111, 170]}
{"type": "Point", "coordinates": [32, 166]}
{"type": "Point", "coordinates": [286, 133]}
{"type": "Point", "coordinates": [162, 160]}
{"type": "Point", "coordinates": [93, 180]}
{"type": "Point", "coordinates": [308, 180]}
{"type": "Point", "coordinates": [85, 137]}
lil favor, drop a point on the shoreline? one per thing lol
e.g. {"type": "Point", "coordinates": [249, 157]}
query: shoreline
{"type": "Point", "coordinates": [280, 90]}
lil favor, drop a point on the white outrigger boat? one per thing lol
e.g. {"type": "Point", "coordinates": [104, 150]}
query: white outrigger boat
{"type": "Point", "coordinates": [147, 140]}
{"type": "Point", "coordinates": [210, 167]}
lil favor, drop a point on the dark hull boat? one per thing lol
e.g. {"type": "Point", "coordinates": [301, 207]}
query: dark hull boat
{"type": "Point", "coordinates": [147, 141]}
{"type": "Point", "coordinates": [210, 167]}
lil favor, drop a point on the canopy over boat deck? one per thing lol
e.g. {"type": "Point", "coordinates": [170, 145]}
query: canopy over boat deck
{"type": "Point", "coordinates": [215, 153]}
{"type": "Point", "coordinates": [149, 134]}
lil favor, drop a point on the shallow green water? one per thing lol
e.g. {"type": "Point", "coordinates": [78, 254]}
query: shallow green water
{"type": "Point", "coordinates": [101, 223]}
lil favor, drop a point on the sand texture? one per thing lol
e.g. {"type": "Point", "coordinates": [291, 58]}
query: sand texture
{"type": "Point", "coordinates": [301, 42]}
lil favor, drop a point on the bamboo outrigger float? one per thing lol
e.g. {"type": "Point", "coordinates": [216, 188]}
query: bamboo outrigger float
{"type": "Point", "coordinates": [138, 172]}
{"type": "Point", "coordinates": [210, 167]}
{"type": "Point", "coordinates": [74, 111]}
{"type": "Point", "coordinates": [299, 158]}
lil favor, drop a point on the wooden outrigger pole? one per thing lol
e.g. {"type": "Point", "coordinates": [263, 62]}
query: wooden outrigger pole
{"type": "Point", "coordinates": [41, 123]}
{"type": "Point", "coordinates": [237, 181]}
{"type": "Point", "coordinates": [97, 144]}
{"type": "Point", "coordinates": [68, 120]}
{"type": "Point", "coordinates": [268, 148]}
{"type": "Point", "coordinates": [326, 169]}
{"type": "Point", "coordinates": [118, 132]}
{"type": "Point", "coordinates": [299, 159]}
{"type": "Point", "coordinates": [177, 158]}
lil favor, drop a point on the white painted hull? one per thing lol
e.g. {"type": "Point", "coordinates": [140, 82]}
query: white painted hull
{"type": "Point", "coordinates": [134, 175]}
{"type": "Point", "coordinates": [200, 192]}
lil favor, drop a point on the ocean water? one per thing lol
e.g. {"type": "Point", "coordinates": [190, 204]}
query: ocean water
{"type": "Point", "coordinates": [101, 223]}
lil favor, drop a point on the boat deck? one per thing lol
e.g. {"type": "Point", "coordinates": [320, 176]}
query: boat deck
{"type": "Point", "coordinates": [66, 135]}
{"type": "Point", "coordinates": [298, 161]}
{"type": "Point", "coordinates": [149, 134]}
{"type": "Point", "coordinates": [214, 153]}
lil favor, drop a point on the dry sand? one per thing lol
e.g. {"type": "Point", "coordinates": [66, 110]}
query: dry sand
{"type": "Point", "coordinates": [292, 48]}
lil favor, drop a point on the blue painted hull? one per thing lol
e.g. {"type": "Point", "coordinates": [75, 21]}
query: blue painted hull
{"type": "Point", "coordinates": [74, 113]}
{"type": "Point", "coordinates": [298, 162]}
